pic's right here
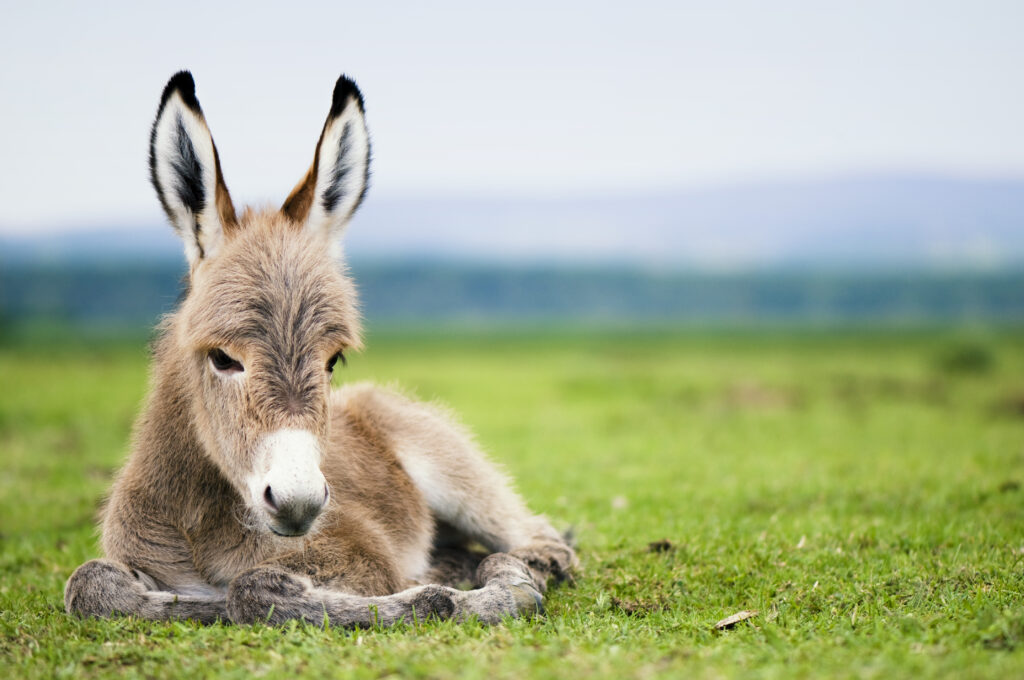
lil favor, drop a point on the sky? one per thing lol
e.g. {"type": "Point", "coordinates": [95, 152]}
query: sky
{"type": "Point", "coordinates": [507, 99]}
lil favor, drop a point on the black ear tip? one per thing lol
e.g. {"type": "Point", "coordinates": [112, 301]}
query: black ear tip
{"type": "Point", "coordinates": [182, 80]}
{"type": "Point", "coordinates": [182, 83]}
{"type": "Point", "coordinates": [344, 90]}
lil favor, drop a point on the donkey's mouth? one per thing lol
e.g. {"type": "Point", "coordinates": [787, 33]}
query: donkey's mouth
{"type": "Point", "coordinates": [294, 519]}
{"type": "Point", "coordinates": [276, 532]}
{"type": "Point", "coordinates": [294, 531]}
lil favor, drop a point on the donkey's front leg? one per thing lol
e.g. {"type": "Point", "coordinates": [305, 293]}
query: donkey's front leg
{"type": "Point", "coordinates": [104, 588]}
{"type": "Point", "coordinates": [274, 595]}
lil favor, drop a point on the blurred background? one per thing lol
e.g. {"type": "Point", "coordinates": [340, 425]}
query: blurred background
{"type": "Point", "coordinates": [665, 163]}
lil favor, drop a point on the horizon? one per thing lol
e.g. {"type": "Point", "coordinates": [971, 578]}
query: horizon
{"type": "Point", "coordinates": [862, 222]}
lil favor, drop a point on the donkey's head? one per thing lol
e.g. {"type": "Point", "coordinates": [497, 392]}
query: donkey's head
{"type": "Point", "coordinates": [269, 312]}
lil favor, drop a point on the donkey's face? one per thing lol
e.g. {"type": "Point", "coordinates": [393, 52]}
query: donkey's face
{"type": "Point", "coordinates": [264, 325]}
{"type": "Point", "coordinates": [269, 313]}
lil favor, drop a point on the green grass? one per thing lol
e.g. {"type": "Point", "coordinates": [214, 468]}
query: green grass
{"type": "Point", "coordinates": [861, 491]}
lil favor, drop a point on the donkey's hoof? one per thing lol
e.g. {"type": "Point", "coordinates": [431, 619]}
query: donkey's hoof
{"type": "Point", "coordinates": [529, 601]}
{"type": "Point", "coordinates": [513, 598]}
{"type": "Point", "coordinates": [548, 560]}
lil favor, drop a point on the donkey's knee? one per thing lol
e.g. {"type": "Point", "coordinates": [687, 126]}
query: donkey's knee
{"type": "Point", "coordinates": [102, 588]}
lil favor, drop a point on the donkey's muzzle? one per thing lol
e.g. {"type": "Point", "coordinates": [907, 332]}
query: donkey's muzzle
{"type": "Point", "coordinates": [293, 516]}
{"type": "Point", "coordinates": [293, 489]}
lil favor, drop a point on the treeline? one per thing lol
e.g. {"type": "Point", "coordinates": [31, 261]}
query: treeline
{"type": "Point", "coordinates": [428, 292]}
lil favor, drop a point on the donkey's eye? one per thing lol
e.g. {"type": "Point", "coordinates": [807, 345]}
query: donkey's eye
{"type": "Point", "coordinates": [333, 360]}
{"type": "Point", "coordinates": [222, 362]}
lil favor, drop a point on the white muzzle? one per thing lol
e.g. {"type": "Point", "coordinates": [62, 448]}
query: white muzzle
{"type": "Point", "coordinates": [288, 484]}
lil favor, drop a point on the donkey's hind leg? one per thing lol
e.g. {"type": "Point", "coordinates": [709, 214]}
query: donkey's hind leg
{"type": "Point", "coordinates": [471, 496]}
{"type": "Point", "coordinates": [104, 588]}
{"type": "Point", "coordinates": [464, 490]}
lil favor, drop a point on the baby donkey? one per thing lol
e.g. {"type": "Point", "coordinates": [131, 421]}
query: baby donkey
{"type": "Point", "coordinates": [256, 492]}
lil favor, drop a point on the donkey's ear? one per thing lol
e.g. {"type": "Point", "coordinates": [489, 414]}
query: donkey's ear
{"type": "Point", "coordinates": [185, 170]}
{"type": "Point", "coordinates": [335, 184]}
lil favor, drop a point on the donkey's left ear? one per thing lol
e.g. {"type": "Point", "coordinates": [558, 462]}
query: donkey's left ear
{"type": "Point", "coordinates": [185, 170]}
{"type": "Point", "coordinates": [334, 186]}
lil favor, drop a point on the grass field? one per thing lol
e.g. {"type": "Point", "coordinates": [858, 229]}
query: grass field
{"type": "Point", "coordinates": [861, 491]}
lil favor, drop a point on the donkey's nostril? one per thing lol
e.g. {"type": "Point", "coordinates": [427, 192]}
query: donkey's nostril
{"type": "Point", "coordinates": [327, 494]}
{"type": "Point", "coordinates": [268, 496]}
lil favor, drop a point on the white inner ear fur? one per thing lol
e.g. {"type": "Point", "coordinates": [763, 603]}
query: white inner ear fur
{"type": "Point", "coordinates": [347, 160]}
{"type": "Point", "coordinates": [207, 241]}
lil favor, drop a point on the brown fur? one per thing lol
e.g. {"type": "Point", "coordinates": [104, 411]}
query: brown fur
{"type": "Point", "coordinates": [300, 200]}
{"type": "Point", "coordinates": [409, 491]}
{"type": "Point", "coordinates": [225, 208]}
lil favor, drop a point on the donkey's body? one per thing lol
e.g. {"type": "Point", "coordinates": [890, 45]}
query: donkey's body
{"type": "Point", "coordinates": [254, 490]}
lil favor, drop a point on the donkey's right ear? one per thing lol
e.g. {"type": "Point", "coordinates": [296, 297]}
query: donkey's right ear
{"type": "Point", "coordinates": [325, 199]}
{"type": "Point", "coordinates": [185, 171]}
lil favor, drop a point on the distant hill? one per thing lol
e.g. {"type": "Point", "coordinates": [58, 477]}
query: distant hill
{"type": "Point", "coordinates": [876, 221]}
{"type": "Point", "coordinates": [136, 293]}
{"type": "Point", "coordinates": [882, 221]}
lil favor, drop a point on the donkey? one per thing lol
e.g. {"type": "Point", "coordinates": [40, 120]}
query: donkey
{"type": "Point", "coordinates": [253, 490]}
